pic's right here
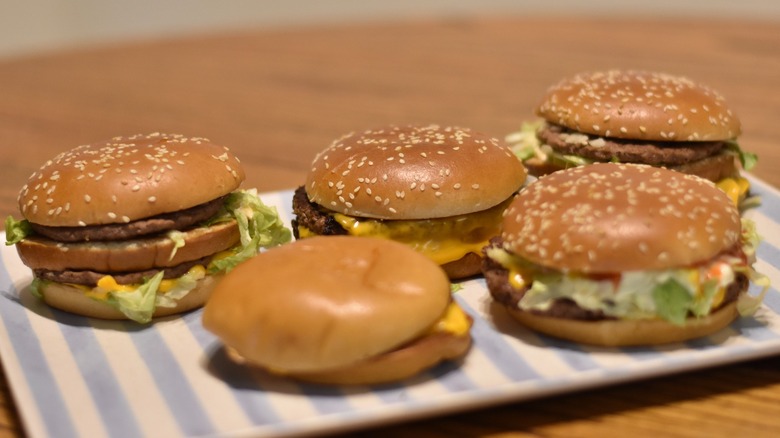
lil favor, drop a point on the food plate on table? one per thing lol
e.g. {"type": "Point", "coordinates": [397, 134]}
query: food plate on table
{"type": "Point", "coordinates": [75, 376]}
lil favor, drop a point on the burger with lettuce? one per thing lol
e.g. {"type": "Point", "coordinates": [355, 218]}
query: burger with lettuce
{"type": "Point", "coordinates": [138, 227]}
{"type": "Point", "coordinates": [624, 254]}
{"type": "Point", "coordinates": [643, 117]}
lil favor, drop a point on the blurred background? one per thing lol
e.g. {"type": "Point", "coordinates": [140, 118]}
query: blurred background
{"type": "Point", "coordinates": [29, 27]}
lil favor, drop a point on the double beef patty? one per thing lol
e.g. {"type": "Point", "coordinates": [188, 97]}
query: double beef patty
{"type": "Point", "coordinates": [627, 151]}
{"type": "Point", "coordinates": [497, 278]}
{"type": "Point", "coordinates": [179, 220]}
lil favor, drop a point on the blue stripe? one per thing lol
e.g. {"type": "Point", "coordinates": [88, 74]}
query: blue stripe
{"type": "Point", "coordinates": [170, 380]}
{"type": "Point", "coordinates": [498, 350]}
{"type": "Point", "coordinates": [327, 400]}
{"type": "Point", "coordinates": [39, 377]}
{"type": "Point", "coordinates": [102, 383]}
{"type": "Point", "coordinates": [770, 201]}
{"type": "Point", "coordinates": [248, 394]}
{"type": "Point", "coordinates": [768, 252]}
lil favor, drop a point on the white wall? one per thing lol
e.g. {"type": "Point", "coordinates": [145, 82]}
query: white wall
{"type": "Point", "coordinates": [33, 26]}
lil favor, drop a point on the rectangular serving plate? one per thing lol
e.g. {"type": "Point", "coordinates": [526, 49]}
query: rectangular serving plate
{"type": "Point", "coordinates": [74, 376]}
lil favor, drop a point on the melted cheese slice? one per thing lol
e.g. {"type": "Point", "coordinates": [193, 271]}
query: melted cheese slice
{"type": "Point", "coordinates": [107, 284]}
{"type": "Point", "coordinates": [735, 187]}
{"type": "Point", "coordinates": [442, 240]}
{"type": "Point", "coordinates": [454, 321]}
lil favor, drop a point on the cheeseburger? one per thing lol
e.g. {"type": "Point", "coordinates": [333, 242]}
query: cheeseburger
{"type": "Point", "coordinates": [366, 311]}
{"type": "Point", "coordinates": [137, 227]}
{"type": "Point", "coordinates": [623, 254]}
{"type": "Point", "coordinates": [636, 117]}
{"type": "Point", "coordinates": [440, 190]}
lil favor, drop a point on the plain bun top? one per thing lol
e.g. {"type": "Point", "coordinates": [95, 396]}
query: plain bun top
{"type": "Point", "coordinates": [608, 218]}
{"type": "Point", "coordinates": [639, 105]}
{"type": "Point", "coordinates": [128, 178]}
{"type": "Point", "coordinates": [414, 172]}
{"type": "Point", "coordinates": [327, 302]}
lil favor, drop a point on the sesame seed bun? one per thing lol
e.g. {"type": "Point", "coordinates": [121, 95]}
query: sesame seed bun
{"type": "Point", "coordinates": [439, 189]}
{"type": "Point", "coordinates": [623, 253]}
{"type": "Point", "coordinates": [625, 333]}
{"type": "Point", "coordinates": [611, 217]}
{"type": "Point", "coordinates": [361, 313]}
{"type": "Point", "coordinates": [131, 255]}
{"type": "Point", "coordinates": [106, 217]}
{"type": "Point", "coordinates": [128, 178]}
{"type": "Point", "coordinates": [639, 105]}
{"type": "Point", "coordinates": [413, 172]}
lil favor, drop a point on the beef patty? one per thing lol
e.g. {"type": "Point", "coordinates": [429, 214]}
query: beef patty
{"type": "Point", "coordinates": [497, 278]}
{"type": "Point", "coordinates": [627, 151]}
{"type": "Point", "coordinates": [177, 220]}
{"type": "Point", "coordinates": [310, 216]}
{"type": "Point", "coordinates": [90, 278]}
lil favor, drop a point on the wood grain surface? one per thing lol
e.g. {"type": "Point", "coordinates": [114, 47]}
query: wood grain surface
{"type": "Point", "coordinates": [277, 97]}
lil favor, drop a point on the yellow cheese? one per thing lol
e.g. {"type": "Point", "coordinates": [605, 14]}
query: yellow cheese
{"type": "Point", "coordinates": [442, 240]}
{"type": "Point", "coordinates": [107, 284]}
{"type": "Point", "coordinates": [304, 232]}
{"type": "Point", "coordinates": [454, 321]}
{"type": "Point", "coordinates": [735, 187]}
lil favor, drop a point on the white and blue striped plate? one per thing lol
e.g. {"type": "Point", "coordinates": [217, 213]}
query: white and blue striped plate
{"type": "Point", "coordinates": [74, 376]}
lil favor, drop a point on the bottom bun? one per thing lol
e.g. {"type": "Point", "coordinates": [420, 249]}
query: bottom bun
{"type": "Point", "coordinates": [389, 367]}
{"type": "Point", "coordinates": [72, 299]}
{"type": "Point", "coordinates": [624, 333]}
{"type": "Point", "coordinates": [467, 266]}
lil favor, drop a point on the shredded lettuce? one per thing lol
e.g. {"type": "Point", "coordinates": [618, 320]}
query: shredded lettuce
{"type": "Point", "coordinates": [259, 226]}
{"type": "Point", "coordinates": [138, 304]}
{"type": "Point", "coordinates": [524, 142]}
{"type": "Point", "coordinates": [181, 288]}
{"type": "Point", "coordinates": [748, 304]}
{"type": "Point", "coordinates": [747, 159]}
{"type": "Point", "coordinates": [15, 230]}
{"type": "Point", "coordinates": [672, 301]}
{"type": "Point", "coordinates": [178, 241]}
{"type": "Point", "coordinates": [36, 286]}
{"type": "Point", "coordinates": [669, 294]}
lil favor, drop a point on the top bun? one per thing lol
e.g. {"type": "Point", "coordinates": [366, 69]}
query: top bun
{"type": "Point", "coordinates": [327, 302]}
{"type": "Point", "coordinates": [608, 217]}
{"type": "Point", "coordinates": [128, 178]}
{"type": "Point", "coordinates": [414, 172]}
{"type": "Point", "coordinates": [639, 105]}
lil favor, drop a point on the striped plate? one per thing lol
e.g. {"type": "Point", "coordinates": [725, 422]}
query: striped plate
{"type": "Point", "coordinates": [74, 376]}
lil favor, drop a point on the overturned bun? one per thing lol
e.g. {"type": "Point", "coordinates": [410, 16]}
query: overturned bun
{"type": "Point", "coordinates": [336, 309]}
{"type": "Point", "coordinates": [623, 332]}
{"type": "Point", "coordinates": [71, 298]}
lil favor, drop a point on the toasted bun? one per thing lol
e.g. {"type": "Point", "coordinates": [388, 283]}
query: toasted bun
{"type": "Point", "coordinates": [623, 333]}
{"type": "Point", "coordinates": [609, 217]}
{"type": "Point", "coordinates": [413, 172]}
{"type": "Point", "coordinates": [393, 366]}
{"type": "Point", "coordinates": [639, 105]}
{"type": "Point", "coordinates": [72, 299]}
{"type": "Point", "coordinates": [128, 178]}
{"type": "Point", "coordinates": [327, 303]}
{"type": "Point", "coordinates": [129, 255]}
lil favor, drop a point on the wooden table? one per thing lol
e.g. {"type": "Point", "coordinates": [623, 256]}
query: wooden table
{"type": "Point", "coordinates": [277, 97]}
